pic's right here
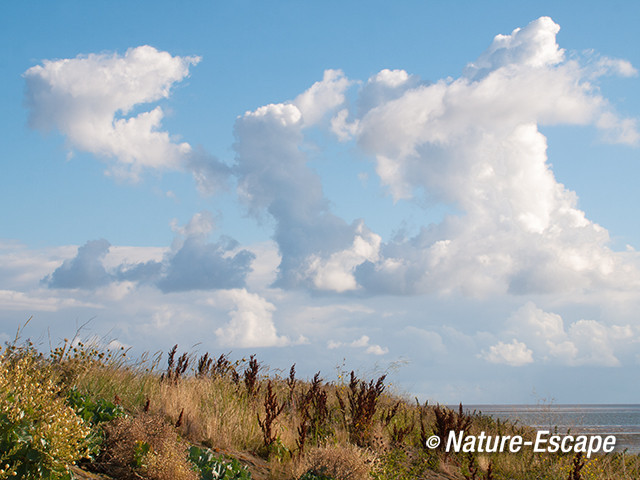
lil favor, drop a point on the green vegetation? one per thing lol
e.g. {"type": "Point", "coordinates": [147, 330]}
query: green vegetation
{"type": "Point", "coordinates": [199, 417]}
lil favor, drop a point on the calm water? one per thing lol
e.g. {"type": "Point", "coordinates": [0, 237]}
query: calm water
{"type": "Point", "coordinates": [623, 421]}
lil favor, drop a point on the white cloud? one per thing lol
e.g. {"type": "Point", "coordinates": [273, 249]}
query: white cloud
{"type": "Point", "coordinates": [274, 178]}
{"type": "Point", "coordinates": [361, 343]}
{"type": "Point", "coordinates": [384, 86]}
{"type": "Point", "coordinates": [532, 46]}
{"type": "Point", "coordinates": [474, 144]}
{"type": "Point", "coordinates": [341, 127]}
{"type": "Point", "coordinates": [251, 323]}
{"type": "Point", "coordinates": [377, 350]}
{"type": "Point", "coordinates": [515, 354]}
{"type": "Point", "coordinates": [22, 267]}
{"type": "Point", "coordinates": [615, 66]}
{"type": "Point", "coordinates": [322, 96]}
{"type": "Point", "coordinates": [89, 100]}
{"type": "Point", "coordinates": [584, 342]}
{"type": "Point", "coordinates": [38, 302]}
{"type": "Point", "coordinates": [336, 272]}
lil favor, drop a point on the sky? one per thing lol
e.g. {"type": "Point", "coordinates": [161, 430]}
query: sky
{"type": "Point", "coordinates": [444, 192]}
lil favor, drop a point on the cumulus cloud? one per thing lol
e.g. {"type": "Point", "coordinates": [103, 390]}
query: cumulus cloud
{"type": "Point", "coordinates": [336, 273]}
{"type": "Point", "coordinates": [584, 342]}
{"type": "Point", "coordinates": [474, 145]}
{"type": "Point", "coordinates": [533, 46]}
{"type": "Point", "coordinates": [85, 270]}
{"type": "Point", "coordinates": [89, 99]}
{"type": "Point", "coordinates": [273, 177]}
{"type": "Point", "coordinates": [322, 96]}
{"type": "Point", "coordinates": [515, 354]}
{"type": "Point", "coordinates": [193, 263]}
{"type": "Point", "coordinates": [251, 323]}
{"type": "Point", "coordinates": [200, 265]}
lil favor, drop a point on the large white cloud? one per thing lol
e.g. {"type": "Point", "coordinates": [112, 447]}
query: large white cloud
{"type": "Point", "coordinates": [474, 144]}
{"type": "Point", "coordinates": [90, 100]}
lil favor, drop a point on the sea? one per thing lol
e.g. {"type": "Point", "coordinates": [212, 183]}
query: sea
{"type": "Point", "coordinates": [623, 421]}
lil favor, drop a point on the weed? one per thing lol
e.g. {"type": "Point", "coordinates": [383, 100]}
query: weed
{"type": "Point", "coordinates": [291, 383]}
{"type": "Point", "coordinates": [362, 399]}
{"type": "Point", "coordinates": [577, 466]}
{"type": "Point", "coordinates": [175, 370]}
{"type": "Point", "coordinates": [402, 426]}
{"type": "Point", "coordinates": [251, 377]}
{"type": "Point", "coordinates": [447, 420]}
{"type": "Point", "coordinates": [314, 412]}
{"type": "Point", "coordinates": [272, 410]}
{"type": "Point", "coordinates": [204, 365]}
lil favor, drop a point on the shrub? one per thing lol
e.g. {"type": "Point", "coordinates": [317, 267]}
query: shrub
{"type": "Point", "coordinates": [146, 446]}
{"type": "Point", "coordinates": [40, 436]}
{"type": "Point", "coordinates": [336, 462]}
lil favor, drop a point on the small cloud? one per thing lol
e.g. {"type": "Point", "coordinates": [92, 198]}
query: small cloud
{"type": "Point", "coordinates": [515, 354]}
{"type": "Point", "coordinates": [361, 343]}
{"type": "Point", "coordinates": [614, 66]}
{"type": "Point", "coordinates": [377, 350]}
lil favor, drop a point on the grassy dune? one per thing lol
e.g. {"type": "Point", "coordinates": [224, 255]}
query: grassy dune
{"type": "Point", "coordinates": [181, 416]}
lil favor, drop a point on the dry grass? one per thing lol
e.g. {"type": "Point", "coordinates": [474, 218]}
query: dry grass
{"type": "Point", "coordinates": [147, 445]}
{"type": "Point", "coordinates": [344, 462]}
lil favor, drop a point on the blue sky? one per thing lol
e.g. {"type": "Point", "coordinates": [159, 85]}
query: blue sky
{"type": "Point", "coordinates": [442, 190]}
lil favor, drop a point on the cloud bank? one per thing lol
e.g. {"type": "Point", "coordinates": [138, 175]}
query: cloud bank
{"type": "Point", "coordinates": [193, 263]}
